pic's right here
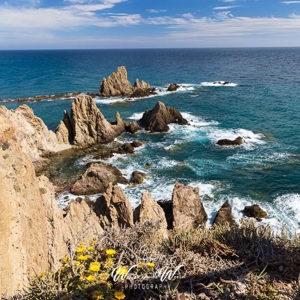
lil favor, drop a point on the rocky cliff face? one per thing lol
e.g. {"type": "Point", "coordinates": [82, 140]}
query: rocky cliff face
{"type": "Point", "coordinates": [158, 118]}
{"type": "Point", "coordinates": [33, 136]}
{"type": "Point", "coordinates": [117, 84]}
{"type": "Point", "coordinates": [86, 125]}
{"type": "Point", "coordinates": [33, 230]}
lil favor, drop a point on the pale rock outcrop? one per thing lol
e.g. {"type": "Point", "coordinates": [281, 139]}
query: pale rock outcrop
{"type": "Point", "coordinates": [34, 137]}
{"type": "Point", "coordinates": [97, 178]}
{"type": "Point", "coordinates": [117, 84]}
{"type": "Point", "coordinates": [86, 125]}
{"type": "Point", "coordinates": [33, 231]}
{"type": "Point", "coordinates": [158, 118]}
{"type": "Point", "coordinates": [151, 213]}
{"type": "Point", "coordinates": [188, 210]}
{"type": "Point", "coordinates": [113, 208]}
{"type": "Point", "coordinates": [224, 215]}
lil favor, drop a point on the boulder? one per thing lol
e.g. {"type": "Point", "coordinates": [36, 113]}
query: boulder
{"type": "Point", "coordinates": [136, 144]}
{"type": "Point", "coordinates": [113, 208]}
{"type": "Point", "coordinates": [34, 232]}
{"type": "Point", "coordinates": [125, 148]}
{"type": "Point", "coordinates": [173, 87]}
{"type": "Point", "coordinates": [86, 125]}
{"type": "Point", "coordinates": [96, 179]}
{"type": "Point", "coordinates": [224, 215]}
{"type": "Point", "coordinates": [137, 177]}
{"type": "Point", "coordinates": [151, 213]}
{"type": "Point", "coordinates": [117, 84]}
{"type": "Point", "coordinates": [226, 142]}
{"type": "Point", "coordinates": [132, 127]}
{"type": "Point", "coordinates": [158, 118]}
{"type": "Point", "coordinates": [254, 211]}
{"type": "Point", "coordinates": [188, 210]}
{"type": "Point", "coordinates": [33, 136]}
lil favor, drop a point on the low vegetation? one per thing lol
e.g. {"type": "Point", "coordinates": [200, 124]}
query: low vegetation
{"type": "Point", "coordinates": [245, 262]}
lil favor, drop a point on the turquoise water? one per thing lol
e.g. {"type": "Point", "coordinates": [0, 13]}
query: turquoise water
{"type": "Point", "coordinates": [263, 108]}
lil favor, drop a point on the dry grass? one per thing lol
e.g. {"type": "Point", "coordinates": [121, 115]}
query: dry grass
{"type": "Point", "coordinates": [246, 262]}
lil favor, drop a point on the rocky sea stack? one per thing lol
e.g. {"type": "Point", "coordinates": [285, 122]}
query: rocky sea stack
{"type": "Point", "coordinates": [117, 84]}
{"type": "Point", "coordinates": [158, 118]}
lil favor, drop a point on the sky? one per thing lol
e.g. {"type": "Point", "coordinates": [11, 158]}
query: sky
{"type": "Point", "coordinates": [106, 24]}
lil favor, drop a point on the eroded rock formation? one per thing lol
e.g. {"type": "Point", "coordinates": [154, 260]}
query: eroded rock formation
{"type": "Point", "coordinates": [86, 125]}
{"type": "Point", "coordinates": [96, 179]}
{"type": "Point", "coordinates": [173, 87]}
{"type": "Point", "coordinates": [158, 118]}
{"type": "Point", "coordinates": [33, 136]}
{"type": "Point", "coordinates": [113, 208]}
{"type": "Point", "coordinates": [151, 213]}
{"type": "Point", "coordinates": [254, 211]}
{"type": "Point", "coordinates": [33, 231]}
{"type": "Point", "coordinates": [224, 215]}
{"type": "Point", "coordinates": [188, 210]}
{"type": "Point", "coordinates": [117, 84]}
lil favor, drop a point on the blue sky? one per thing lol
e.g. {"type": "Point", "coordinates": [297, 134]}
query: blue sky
{"type": "Point", "coordinates": [63, 24]}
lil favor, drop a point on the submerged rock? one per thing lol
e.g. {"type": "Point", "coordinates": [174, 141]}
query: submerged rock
{"type": "Point", "coordinates": [137, 177]}
{"type": "Point", "coordinates": [113, 208]}
{"type": "Point", "coordinates": [254, 211]}
{"type": "Point", "coordinates": [86, 125]}
{"type": "Point", "coordinates": [188, 210]}
{"type": "Point", "coordinates": [158, 118]}
{"type": "Point", "coordinates": [224, 215]}
{"type": "Point", "coordinates": [173, 87]}
{"type": "Point", "coordinates": [226, 142]}
{"type": "Point", "coordinates": [117, 84]}
{"type": "Point", "coordinates": [96, 179]}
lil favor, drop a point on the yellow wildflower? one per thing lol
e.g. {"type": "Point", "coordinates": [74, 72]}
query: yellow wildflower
{"type": "Point", "coordinates": [98, 295]}
{"type": "Point", "coordinates": [90, 278]}
{"type": "Point", "coordinates": [66, 259]}
{"type": "Point", "coordinates": [109, 263]}
{"type": "Point", "coordinates": [119, 295]}
{"type": "Point", "coordinates": [76, 263]}
{"type": "Point", "coordinates": [42, 274]}
{"type": "Point", "coordinates": [110, 252]}
{"type": "Point", "coordinates": [141, 265]}
{"type": "Point", "coordinates": [122, 271]}
{"type": "Point", "coordinates": [80, 249]}
{"type": "Point", "coordinates": [94, 266]}
{"type": "Point", "coordinates": [151, 265]}
{"type": "Point", "coordinates": [83, 257]}
{"type": "Point", "coordinates": [103, 277]}
{"type": "Point", "coordinates": [91, 248]}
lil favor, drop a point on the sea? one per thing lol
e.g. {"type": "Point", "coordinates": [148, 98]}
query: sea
{"type": "Point", "coordinates": [262, 105]}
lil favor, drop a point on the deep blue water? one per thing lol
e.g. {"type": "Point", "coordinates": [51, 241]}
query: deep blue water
{"type": "Point", "coordinates": [264, 108]}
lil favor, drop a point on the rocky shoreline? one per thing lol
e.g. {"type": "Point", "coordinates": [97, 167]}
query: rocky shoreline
{"type": "Point", "coordinates": [35, 232]}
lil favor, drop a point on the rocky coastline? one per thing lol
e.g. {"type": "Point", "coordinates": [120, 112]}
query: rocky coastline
{"type": "Point", "coordinates": [35, 232]}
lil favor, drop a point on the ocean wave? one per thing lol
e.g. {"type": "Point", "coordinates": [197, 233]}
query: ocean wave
{"type": "Point", "coordinates": [219, 84]}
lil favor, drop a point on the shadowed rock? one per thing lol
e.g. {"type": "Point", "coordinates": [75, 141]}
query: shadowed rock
{"type": "Point", "coordinates": [226, 142]}
{"type": "Point", "coordinates": [137, 177]}
{"type": "Point", "coordinates": [96, 179]}
{"type": "Point", "coordinates": [188, 210]}
{"type": "Point", "coordinates": [254, 211]}
{"type": "Point", "coordinates": [224, 215]}
{"type": "Point", "coordinates": [158, 118]}
{"type": "Point", "coordinates": [173, 87]}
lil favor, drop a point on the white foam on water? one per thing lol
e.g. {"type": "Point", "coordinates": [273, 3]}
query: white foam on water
{"type": "Point", "coordinates": [65, 198]}
{"type": "Point", "coordinates": [249, 136]}
{"type": "Point", "coordinates": [136, 116]}
{"type": "Point", "coordinates": [197, 121]}
{"type": "Point", "coordinates": [218, 84]}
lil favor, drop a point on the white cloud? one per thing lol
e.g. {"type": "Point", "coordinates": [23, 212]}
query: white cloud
{"type": "Point", "coordinates": [291, 2]}
{"type": "Point", "coordinates": [224, 7]}
{"type": "Point", "coordinates": [156, 11]}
